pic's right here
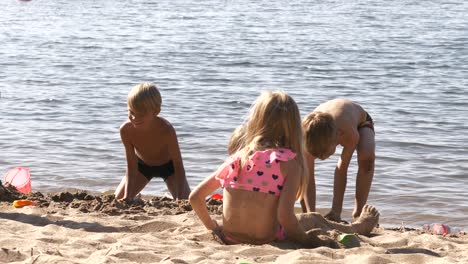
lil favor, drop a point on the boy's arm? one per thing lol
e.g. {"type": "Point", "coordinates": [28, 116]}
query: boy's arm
{"type": "Point", "coordinates": [341, 172]}
{"type": "Point", "coordinates": [179, 170]}
{"type": "Point", "coordinates": [132, 161]}
{"type": "Point", "coordinates": [197, 200]}
{"type": "Point", "coordinates": [310, 195]}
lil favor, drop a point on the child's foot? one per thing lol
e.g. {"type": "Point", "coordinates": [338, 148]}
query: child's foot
{"type": "Point", "coordinates": [333, 216]}
{"type": "Point", "coordinates": [368, 219]}
{"type": "Point", "coordinates": [356, 215]}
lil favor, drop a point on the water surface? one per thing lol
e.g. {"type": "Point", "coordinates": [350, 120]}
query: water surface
{"type": "Point", "coordinates": [67, 66]}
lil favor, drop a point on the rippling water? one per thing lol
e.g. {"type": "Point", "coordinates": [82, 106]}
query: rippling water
{"type": "Point", "coordinates": [66, 67]}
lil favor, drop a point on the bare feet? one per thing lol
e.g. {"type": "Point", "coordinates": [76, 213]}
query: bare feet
{"type": "Point", "coordinates": [356, 214]}
{"type": "Point", "coordinates": [335, 217]}
{"type": "Point", "coordinates": [368, 219]}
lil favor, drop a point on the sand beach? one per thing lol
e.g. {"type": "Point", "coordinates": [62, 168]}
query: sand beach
{"type": "Point", "coordinates": [78, 227]}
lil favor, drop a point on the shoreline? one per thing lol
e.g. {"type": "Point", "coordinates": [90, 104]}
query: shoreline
{"type": "Point", "coordinates": [79, 227]}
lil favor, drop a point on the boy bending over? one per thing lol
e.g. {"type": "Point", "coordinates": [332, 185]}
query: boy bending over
{"type": "Point", "coordinates": [340, 122]}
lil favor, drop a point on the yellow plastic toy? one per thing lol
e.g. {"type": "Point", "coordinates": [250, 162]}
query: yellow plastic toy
{"type": "Point", "coordinates": [21, 203]}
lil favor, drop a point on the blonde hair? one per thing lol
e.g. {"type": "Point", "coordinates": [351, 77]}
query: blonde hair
{"type": "Point", "coordinates": [144, 97]}
{"type": "Point", "coordinates": [274, 122]}
{"type": "Point", "coordinates": [319, 133]}
{"type": "Point", "coordinates": [236, 141]}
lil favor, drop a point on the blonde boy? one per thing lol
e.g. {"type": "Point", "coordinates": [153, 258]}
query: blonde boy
{"type": "Point", "coordinates": [151, 146]}
{"type": "Point", "coordinates": [340, 122]}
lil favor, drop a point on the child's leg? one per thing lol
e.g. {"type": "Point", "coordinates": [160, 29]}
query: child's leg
{"type": "Point", "coordinates": [366, 160]}
{"type": "Point", "coordinates": [179, 188]}
{"type": "Point", "coordinates": [368, 219]}
{"type": "Point", "coordinates": [119, 192]}
{"type": "Point", "coordinates": [138, 184]}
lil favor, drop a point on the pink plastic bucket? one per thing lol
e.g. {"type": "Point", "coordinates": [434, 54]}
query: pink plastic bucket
{"type": "Point", "coordinates": [440, 229]}
{"type": "Point", "coordinates": [20, 178]}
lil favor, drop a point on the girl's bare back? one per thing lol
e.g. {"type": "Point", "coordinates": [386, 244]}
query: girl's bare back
{"type": "Point", "coordinates": [249, 216]}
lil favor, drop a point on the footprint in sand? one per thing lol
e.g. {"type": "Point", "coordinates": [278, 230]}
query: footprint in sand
{"type": "Point", "coordinates": [155, 226]}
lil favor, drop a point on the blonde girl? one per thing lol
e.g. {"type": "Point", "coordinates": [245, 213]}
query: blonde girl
{"type": "Point", "coordinates": [263, 179]}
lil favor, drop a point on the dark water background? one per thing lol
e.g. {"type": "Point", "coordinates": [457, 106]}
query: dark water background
{"type": "Point", "coordinates": [66, 67]}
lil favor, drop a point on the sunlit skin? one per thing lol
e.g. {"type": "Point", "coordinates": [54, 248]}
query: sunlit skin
{"type": "Point", "coordinates": [347, 116]}
{"type": "Point", "coordinates": [139, 119]}
{"type": "Point", "coordinates": [152, 139]}
{"type": "Point", "coordinates": [252, 217]}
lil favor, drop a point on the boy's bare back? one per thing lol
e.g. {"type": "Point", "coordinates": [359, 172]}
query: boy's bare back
{"type": "Point", "coordinates": [347, 115]}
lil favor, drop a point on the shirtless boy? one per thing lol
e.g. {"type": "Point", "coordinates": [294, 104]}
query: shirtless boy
{"type": "Point", "coordinates": [151, 146]}
{"type": "Point", "coordinates": [340, 122]}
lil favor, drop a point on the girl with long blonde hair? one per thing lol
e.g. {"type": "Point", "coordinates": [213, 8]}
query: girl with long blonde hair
{"type": "Point", "coordinates": [263, 179]}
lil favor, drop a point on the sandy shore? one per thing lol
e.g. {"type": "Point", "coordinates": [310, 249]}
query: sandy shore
{"type": "Point", "coordinates": [82, 228]}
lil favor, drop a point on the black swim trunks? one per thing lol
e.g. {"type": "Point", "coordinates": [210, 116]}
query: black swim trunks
{"type": "Point", "coordinates": [161, 171]}
{"type": "Point", "coordinates": [368, 123]}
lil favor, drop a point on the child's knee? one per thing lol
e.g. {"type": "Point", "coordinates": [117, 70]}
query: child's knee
{"type": "Point", "coordinates": [366, 157]}
{"type": "Point", "coordinates": [366, 162]}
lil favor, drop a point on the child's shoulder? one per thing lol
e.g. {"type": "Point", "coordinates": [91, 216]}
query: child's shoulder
{"type": "Point", "coordinates": [126, 126]}
{"type": "Point", "coordinates": [283, 154]}
{"type": "Point", "coordinates": [164, 121]}
{"type": "Point", "coordinates": [290, 167]}
{"type": "Point", "coordinates": [165, 125]}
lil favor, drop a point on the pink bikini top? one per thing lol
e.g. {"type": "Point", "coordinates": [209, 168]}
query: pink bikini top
{"type": "Point", "coordinates": [261, 173]}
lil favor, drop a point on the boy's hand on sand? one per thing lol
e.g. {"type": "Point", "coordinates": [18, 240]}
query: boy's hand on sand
{"type": "Point", "coordinates": [120, 203]}
{"type": "Point", "coordinates": [128, 201]}
{"type": "Point", "coordinates": [124, 200]}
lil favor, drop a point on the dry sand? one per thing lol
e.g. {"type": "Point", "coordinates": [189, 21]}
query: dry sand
{"type": "Point", "coordinates": [82, 228]}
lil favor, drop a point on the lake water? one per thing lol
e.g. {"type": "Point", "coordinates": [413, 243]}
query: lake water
{"type": "Point", "coordinates": [67, 66]}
